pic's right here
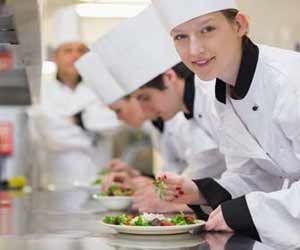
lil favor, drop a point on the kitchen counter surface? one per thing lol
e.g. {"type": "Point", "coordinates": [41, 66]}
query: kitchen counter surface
{"type": "Point", "coordinates": [69, 220]}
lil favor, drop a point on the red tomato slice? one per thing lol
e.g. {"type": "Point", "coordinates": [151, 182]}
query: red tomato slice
{"type": "Point", "coordinates": [166, 223]}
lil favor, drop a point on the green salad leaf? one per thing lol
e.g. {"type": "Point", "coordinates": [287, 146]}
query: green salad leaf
{"type": "Point", "coordinates": [178, 220]}
{"type": "Point", "coordinates": [109, 219]}
{"type": "Point", "coordinates": [97, 182]}
{"type": "Point", "coordinates": [100, 174]}
{"type": "Point", "coordinates": [140, 221]}
{"type": "Point", "coordinates": [160, 187]}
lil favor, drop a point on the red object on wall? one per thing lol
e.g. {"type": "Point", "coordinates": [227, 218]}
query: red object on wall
{"type": "Point", "coordinates": [6, 138]}
{"type": "Point", "coordinates": [5, 60]}
{"type": "Point", "coordinates": [6, 216]}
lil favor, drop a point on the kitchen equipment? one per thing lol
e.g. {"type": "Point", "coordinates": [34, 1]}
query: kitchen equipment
{"type": "Point", "coordinates": [20, 74]}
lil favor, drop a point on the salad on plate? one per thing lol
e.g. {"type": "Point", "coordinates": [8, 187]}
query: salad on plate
{"type": "Point", "coordinates": [149, 219]}
{"type": "Point", "coordinates": [152, 224]}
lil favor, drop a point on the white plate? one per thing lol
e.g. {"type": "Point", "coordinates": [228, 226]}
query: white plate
{"type": "Point", "coordinates": [155, 241]}
{"type": "Point", "coordinates": [154, 230]}
{"type": "Point", "coordinates": [114, 202]}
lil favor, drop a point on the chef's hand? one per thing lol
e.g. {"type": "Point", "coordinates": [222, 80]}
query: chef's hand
{"type": "Point", "coordinates": [121, 179]}
{"type": "Point", "coordinates": [216, 221]}
{"type": "Point", "coordinates": [147, 200]}
{"type": "Point", "coordinates": [124, 180]}
{"type": "Point", "coordinates": [116, 165]}
{"type": "Point", "coordinates": [179, 189]}
{"type": "Point", "coordinates": [141, 182]}
{"type": "Point", "coordinates": [143, 199]}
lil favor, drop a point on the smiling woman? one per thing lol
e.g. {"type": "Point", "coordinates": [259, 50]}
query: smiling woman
{"type": "Point", "coordinates": [258, 102]}
{"type": "Point", "coordinates": [209, 44]}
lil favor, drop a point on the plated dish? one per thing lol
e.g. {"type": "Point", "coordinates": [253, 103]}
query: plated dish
{"type": "Point", "coordinates": [113, 202]}
{"type": "Point", "coordinates": [155, 224]}
{"type": "Point", "coordinates": [115, 198]}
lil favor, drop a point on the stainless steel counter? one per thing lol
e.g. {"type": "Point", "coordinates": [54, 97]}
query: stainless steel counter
{"type": "Point", "coordinates": [70, 221]}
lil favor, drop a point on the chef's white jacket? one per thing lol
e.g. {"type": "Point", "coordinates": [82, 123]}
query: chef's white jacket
{"type": "Point", "coordinates": [260, 136]}
{"type": "Point", "coordinates": [73, 154]}
{"type": "Point", "coordinates": [192, 138]}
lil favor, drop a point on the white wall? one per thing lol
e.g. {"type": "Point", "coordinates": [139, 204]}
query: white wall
{"type": "Point", "coordinates": [93, 28]}
{"type": "Point", "coordinates": [273, 22]}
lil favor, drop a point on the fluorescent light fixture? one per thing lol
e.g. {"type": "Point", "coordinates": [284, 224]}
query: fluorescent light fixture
{"type": "Point", "coordinates": [116, 1]}
{"type": "Point", "coordinates": [48, 68]}
{"type": "Point", "coordinates": [110, 10]}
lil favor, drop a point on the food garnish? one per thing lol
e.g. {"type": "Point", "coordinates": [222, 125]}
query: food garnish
{"type": "Point", "coordinates": [100, 174]}
{"type": "Point", "coordinates": [149, 219]}
{"type": "Point", "coordinates": [160, 187]}
{"type": "Point", "coordinates": [115, 190]}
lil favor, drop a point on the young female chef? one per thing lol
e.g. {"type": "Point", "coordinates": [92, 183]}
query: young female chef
{"type": "Point", "coordinates": [257, 90]}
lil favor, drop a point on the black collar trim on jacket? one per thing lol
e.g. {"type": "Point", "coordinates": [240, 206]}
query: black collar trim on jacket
{"type": "Point", "coordinates": [245, 75]}
{"type": "Point", "coordinates": [189, 96]}
{"type": "Point", "coordinates": [158, 124]}
{"type": "Point", "coordinates": [79, 80]}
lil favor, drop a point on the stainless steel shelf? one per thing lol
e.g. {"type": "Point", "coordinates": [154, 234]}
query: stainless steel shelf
{"type": "Point", "coordinates": [6, 23]}
{"type": "Point", "coordinates": [9, 36]}
{"type": "Point", "coordinates": [13, 78]}
{"type": "Point", "coordinates": [14, 96]}
{"type": "Point", "coordinates": [7, 29]}
{"type": "Point", "coordinates": [20, 26]}
{"type": "Point", "coordinates": [14, 88]}
{"type": "Point", "coordinates": [27, 20]}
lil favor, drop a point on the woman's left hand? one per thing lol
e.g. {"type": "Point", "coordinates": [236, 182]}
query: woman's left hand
{"type": "Point", "coordinates": [216, 221]}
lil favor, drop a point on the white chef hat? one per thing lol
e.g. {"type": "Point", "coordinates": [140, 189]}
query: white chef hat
{"type": "Point", "coordinates": [65, 27]}
{"type": "Point", "coordinates": [137, 51]}
{"type": "Point", "coordinates": [175, 12]}
{"type": "Point", "coordinates": [95, 74]}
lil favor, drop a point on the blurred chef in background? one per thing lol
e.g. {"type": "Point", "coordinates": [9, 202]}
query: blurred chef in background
{"type": "Point", "coordinates": [126, 108]}
{"type": "Point", "coordinates": [74, 127]}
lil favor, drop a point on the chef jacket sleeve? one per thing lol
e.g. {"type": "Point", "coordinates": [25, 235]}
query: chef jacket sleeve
{"type": "Point", "coordinates": [274, 216]}
{"type": "Point", "coordinates": [59, 134]}
{"type": "Point", "coordinates": [242, 176]}
{"type": "Point", "coordinates": [98, 118]}
{"type": "Point", "coordinates": [209, 163]}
